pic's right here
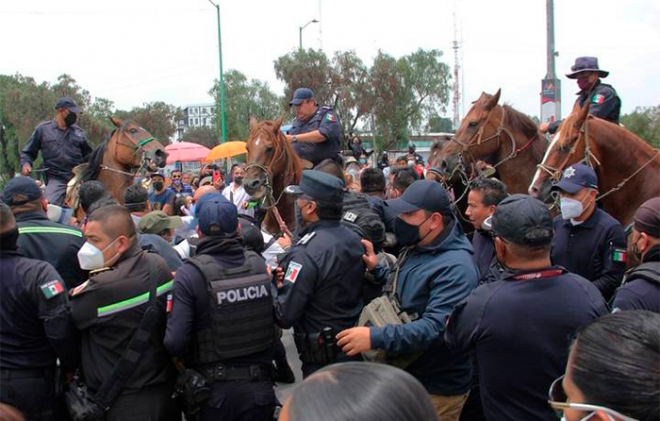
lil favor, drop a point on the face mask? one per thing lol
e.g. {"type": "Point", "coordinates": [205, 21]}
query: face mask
{"type": "Point", "coordinates": [406, 234]}
{"type": "Point", "coordinates": [238, 180]}
{"type": "Point", "coordinates": [8, 240]}
{"type": "Point", "coordinates": [158, 185]}
{"type": "Point", "coordinates": [70, 119]}
{"type": "Point", "coordinates": [411, 163]}
{"type": "Point", "coordinates": [570, 208]}
{"type": "Point", "coordinates": [300, 221]}
{"type": "Point", "coordinates": [584, 84]}
{"type": "Point", "coordinates": [363, 161]}
{"type": "Point", "coordinates": [636, 251]}
{"type": "Point", "coordinates": [588, 417]}
{"type": "Point", "coordinates": [90, 257]}
{"type": "Point", "coordinates": [176, 182]}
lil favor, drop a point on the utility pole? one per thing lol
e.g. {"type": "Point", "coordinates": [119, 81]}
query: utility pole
{"type": "Point", "coordinates": [223, 124]}
{"type": "Point", "coordinates": [551, 85]}
{"type": "Point", "coordinates": [300, 29]}
{"type": "Point", "coordinates": [456, 101]}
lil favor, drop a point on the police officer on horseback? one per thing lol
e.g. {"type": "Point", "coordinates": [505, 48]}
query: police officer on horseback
{"type": "Point", "coordinates": [316, 131]}
{"type": "Point", "coordinates": [604, 101]}
{"type": "Point", "coordinates": [63, 146]}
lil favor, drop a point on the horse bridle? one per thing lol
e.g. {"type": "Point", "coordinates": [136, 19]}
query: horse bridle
{"type": "Point", "coordinates": [138, 148]}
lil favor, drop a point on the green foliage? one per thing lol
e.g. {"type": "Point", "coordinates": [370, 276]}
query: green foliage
{"type": "Point", "coordinates": [309, 68]}
{"type": "Point", "coordinates": [439, 124]}
{"type": "Point", "coordinates": [645, 123]}
{"type": "Point", "coordinates": [245, 99]}
{"type": "Point", "coordinates": [158, 118]}
{"type": "Point", "coordinates": [203, 135]}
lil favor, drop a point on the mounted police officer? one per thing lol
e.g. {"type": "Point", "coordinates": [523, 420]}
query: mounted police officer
{"type": "Point", "coordinates": [316, 131]}
{"type": "Point", "coordinates": [63, 146]}
{"type": "Point", "coordinates": [605, 102]}
{"type": "Point", "coordinates": [35, 328]}
{"type": "Point", "coordinates": [222, 321]}
{"type": "Point", "coordinates": [321, 293]}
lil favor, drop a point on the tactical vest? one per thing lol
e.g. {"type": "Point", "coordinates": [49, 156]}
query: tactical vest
{"type": "Point", "coordinates": [242, 320]}
{"type": "Point", "coordinates": [649, 271]}
{"type": "Point", "coordinates": [359, 216]}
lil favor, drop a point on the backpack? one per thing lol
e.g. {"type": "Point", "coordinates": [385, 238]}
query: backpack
{"type": "Point", "coordinates": [359, 216]}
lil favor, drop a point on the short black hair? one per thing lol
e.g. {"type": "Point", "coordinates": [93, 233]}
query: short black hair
{"type": "Point", "coordinates": [7, 220]}
{"type": "Point", "coordinates": [404, 177]}
{"type": "Point", "coordinates": [115, 221]}
{"type": "Point", "coordinates": [492, 189]}
{"type": "Point", "coordinates": [620, 348]}
{"type": "Point", "coordinates": [91, 191]}
{"type": "Point", "coordinates": [361, 391]}
{"type": "Point", "coordinates": [330, 166]}
{"type": "Point", "coordinates": [402, 158]}
{"type": "Point", "coordinates": [330, 208]}
{"type": "Point", "coordinates": [372, 180]}
{"type": "Point", "coordinates": [178, 204]}
{"type": "Point", "coordinates": [136, 198]}
{"type": "Point", "coordinates": [101, 203]}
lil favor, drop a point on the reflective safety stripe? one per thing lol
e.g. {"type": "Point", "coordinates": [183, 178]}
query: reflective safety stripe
{"type": "Point", "coordinates": [49, 230]}
{"type": "Point", "coordinates": [132, 302]}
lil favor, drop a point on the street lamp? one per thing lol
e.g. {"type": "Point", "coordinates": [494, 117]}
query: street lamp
{"type": "Point", "coordinates": [300, 29]}
{"type": "Point", "coordinates": [222, 81]}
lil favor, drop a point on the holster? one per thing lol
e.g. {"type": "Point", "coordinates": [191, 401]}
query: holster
{"type": "Point", "coordinates": [81, 404]}
{"type": "Point", "coordinates": [193, 390]}
{"type": "Point", "coordinates": [317, 348]}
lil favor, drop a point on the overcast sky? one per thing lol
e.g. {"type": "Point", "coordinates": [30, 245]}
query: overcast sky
{"type": "Point", "coordinates": [137, 51]}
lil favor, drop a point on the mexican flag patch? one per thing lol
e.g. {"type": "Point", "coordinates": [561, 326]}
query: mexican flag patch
{"type": "Point", "coordinates": [619, 255]}
{"type": "Point", "coordinates": [293, 271]}
{"type": "Point", "coordinates": [598, 99]}
{"type": "Point", "coordinates": [330, 118]}
{"type": "Point", "coordinates": [52, 289]}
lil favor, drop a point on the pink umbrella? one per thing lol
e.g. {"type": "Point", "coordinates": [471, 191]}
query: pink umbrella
{"type": "Point", "coordinates": [186, 152]}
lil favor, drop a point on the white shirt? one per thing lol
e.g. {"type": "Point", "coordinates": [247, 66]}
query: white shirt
{"type": "Point", "coordinates": [238, 197]}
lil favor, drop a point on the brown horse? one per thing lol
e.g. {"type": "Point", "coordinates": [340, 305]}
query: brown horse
{"type": "Point", "coordinates": [128, 152]}
{"type": "Point", "coordinates": [500, 135]}
{"type": "Point", "coordinates": [628, 168]}
{"type": "Point", "coordinates": [272, 165]}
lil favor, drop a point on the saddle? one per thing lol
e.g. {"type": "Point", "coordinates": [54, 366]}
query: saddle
{"type": "Point", "coordinates": [72, 199]}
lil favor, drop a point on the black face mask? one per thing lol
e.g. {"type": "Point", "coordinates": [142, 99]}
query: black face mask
{"type": "Point", "coordinates": [8, 240]}
{"type": "Point", "coordinates": [238, 180]}
{"type": "Point", "coordinates": [158, 185]}
{"type": "Point", "coordinates": [70, 119]}
{"type": "Point", "coordinates": [406, 234]}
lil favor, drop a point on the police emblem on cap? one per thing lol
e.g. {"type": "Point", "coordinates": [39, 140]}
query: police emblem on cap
{"type": "Point", "coordinates": [569, 172]}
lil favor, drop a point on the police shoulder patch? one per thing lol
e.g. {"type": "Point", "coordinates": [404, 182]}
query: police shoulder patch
{"type": "Point", "coordinates": [292, 271]}
{"type": "Point", "coordinates": [330, 117]}
{"type": "Point", "coordinates": [52, 289]}
{"type": "Point", "coordinates": [598, 99]}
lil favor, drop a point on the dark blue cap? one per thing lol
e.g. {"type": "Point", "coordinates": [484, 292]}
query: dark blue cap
{"type": "Point", "coordinates": [157, 174]}
{"type": "Point", "coordinates": [21, 190]}
{"type": "Point", "coordinates": [576, 177]}
{"type": "Point", "coordinates": [216, 215]}
{"type": "Point", "coordinates": [521, 219]}
{"type": "Point", "coordinates": [300, 95]}
{"type": "Point", "coordinates": [68, 103]}
{"type": "Point", "coordinates": [585, 64]}
{"type": "Point", "coordinates": [317, 185]}
{"type": "Point", "coordinates": [422, 194]}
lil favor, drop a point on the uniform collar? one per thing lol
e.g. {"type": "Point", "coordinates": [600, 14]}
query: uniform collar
{"type": "Point", "coordinates": [589, 223]}
{"type": "Point", "coordinates": [31, 216]}
{"type": "Point", "coordinates": [532, 274]}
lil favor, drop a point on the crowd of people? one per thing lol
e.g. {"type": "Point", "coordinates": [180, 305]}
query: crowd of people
{"type": "Point", "coordinates": [172, 299]}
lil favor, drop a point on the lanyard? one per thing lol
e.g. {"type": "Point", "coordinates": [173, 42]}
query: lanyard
{"type": "Point", "coordinates": [549, 273]}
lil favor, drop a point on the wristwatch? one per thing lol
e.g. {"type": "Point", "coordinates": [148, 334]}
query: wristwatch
{"type": "Point", "coordinates": [294, 138]}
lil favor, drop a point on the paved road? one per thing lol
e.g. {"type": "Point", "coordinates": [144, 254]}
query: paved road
{"type": "Point", "coordinates": [284, 390]}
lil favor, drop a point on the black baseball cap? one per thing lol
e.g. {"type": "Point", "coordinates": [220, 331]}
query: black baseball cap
{"type": "Point", "coordinates": [317, 185]}
{"type": "Point", "coordinates": [300, 95]}
{"type": "Point", "coordinates": [523, 220]}
{"type": "Point", "coordinates": [422, 194]}
{"type": "Point", "coordinates": [68, 103]}
{"type": "Point", "coordinates": [21, 190]}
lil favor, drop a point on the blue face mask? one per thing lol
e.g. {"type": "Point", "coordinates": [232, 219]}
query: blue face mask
{"type": "Point", "coordinates": [192, 209]}
{"type": "Point", "coordinates": [363, 161]}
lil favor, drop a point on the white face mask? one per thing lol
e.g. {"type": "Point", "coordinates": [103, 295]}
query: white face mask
{"type": "Point", "coordinates": [570, 208]}
{"type": "Point", "coordinates": [90, 257]}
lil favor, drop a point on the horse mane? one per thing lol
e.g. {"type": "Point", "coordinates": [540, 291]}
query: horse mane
{"type": "Point", "coordinates": [621, 131]}
{"type": "Point", "coordinates": [91, 171]}
{"type": "Point", "coordinates": [519, 121]}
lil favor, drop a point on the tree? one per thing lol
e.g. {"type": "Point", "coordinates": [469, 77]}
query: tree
{"type": "Point", "coordinates": [439, 124]}
{"type": "Point", "coordinates": [308, 68]}
{"type": "Point", "coordinates": [203, 135]}
{"type": "Point", "coordinates": [158, 118]}
{"type": "Point", "coordinates": [245, 99]}
{"type": "Point", "coordinates": [645, 123]}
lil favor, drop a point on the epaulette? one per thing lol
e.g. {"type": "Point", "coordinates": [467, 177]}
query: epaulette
{"type": "Point", "coordinates": [77, 290]}
{"type": "Point", "coordinates": [306, 238]}
{"type": "Point", "coordinates": [97, 271]}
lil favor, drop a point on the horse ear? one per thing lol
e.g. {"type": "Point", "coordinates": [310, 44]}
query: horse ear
{"type": "Point", "coordinates": [492, 101]}
{"type": "Point", "coordinates": [253, 122]}
{"type": "Point", "coordinates": [116, 121]}
{"type": "Point", "coordinates": [277, 124]}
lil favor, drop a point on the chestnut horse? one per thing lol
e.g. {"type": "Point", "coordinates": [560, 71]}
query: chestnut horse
{"type": "Point", "coordinates": [271, 166]}
{"type": "Point", "coordinates": [628, 168]}
{"type": "Point", "coordinates": [500, 135]}
{"type": "Point", "coordinates": [128, 152]}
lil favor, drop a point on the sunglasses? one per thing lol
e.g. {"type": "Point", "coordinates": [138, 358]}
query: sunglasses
{"type": "Point", "coordinates": [175, 177]}
{"type": "Point", "coordinates": [558, 401]}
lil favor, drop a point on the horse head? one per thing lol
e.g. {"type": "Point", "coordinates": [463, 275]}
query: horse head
{"type": "Point", "coordinates": [475, 137]}
{"type": "Point", "coordinates": [135, 147]}
{"type": "Point", "coordinates": [269, 156]}
{"type": "Point", "coordinates": [569, 146]}
{"type": "Point", "coordinates": [447, 164]}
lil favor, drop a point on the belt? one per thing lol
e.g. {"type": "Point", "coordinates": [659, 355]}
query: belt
{"type": "Point", "coordinates": [39, 373]}
{"type": "Point", "coordinates": [223, 373]}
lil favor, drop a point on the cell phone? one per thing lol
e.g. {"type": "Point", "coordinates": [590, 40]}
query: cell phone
{"type": "Point", "coordinates": [216, 175]}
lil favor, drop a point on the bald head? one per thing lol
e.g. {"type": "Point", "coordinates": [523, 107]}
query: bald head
{"type": "Point", "coordinates": [202, 191]}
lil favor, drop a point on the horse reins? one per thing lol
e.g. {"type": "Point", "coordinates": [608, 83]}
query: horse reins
{"type": "Point", "coordinates": [138, 147]}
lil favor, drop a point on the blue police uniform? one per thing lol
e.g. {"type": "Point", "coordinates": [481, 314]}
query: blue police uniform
{"type": "Point", "coordinates": [641, 285]}
{"type": "Point", "coordinates": [323, 280]}
{"type": "Point", "coordinates": [35, 330]}
{"type": "Point", "coordinates": [324, 120]}
{"type": "Point", "coordinates": [484, 256]}
{"type": "Point", "coordinates": [232, 350]}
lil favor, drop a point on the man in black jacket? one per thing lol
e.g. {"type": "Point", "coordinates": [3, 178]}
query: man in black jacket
{"type": "Point", "coordinates": [41, 238]}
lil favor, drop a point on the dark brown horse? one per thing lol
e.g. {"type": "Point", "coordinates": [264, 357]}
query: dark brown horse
{"type": "Point", "coordinates": [500, 135]}
{"type": "Point", "coordinates": [628, 168]}
{"type": "Point", "coordinates": [128, 152]}
{"type": "Point", "coordinates": [272, 165]}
